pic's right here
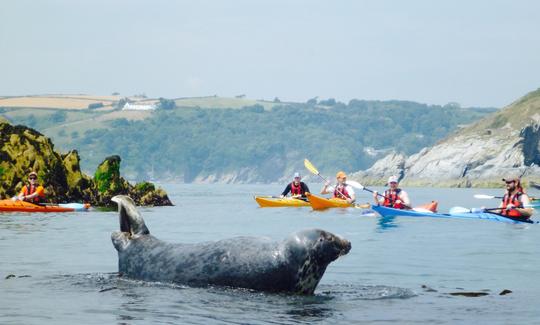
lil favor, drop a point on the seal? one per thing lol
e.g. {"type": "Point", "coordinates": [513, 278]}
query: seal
{"type": "Point", "coordinates": [295, 265]}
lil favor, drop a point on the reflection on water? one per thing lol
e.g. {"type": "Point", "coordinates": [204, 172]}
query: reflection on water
{"type": "Point", "coordinates": [386, 223]}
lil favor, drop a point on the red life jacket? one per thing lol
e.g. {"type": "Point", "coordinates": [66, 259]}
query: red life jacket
{"type": "Point", "coordinates": [516, 201]}
{"type": "Point", "coordinates": [391, 197]}
{"type": "Point", "coordinates": [29, 190]}
{"type": "Point", "coordinates": [343, 191]}
{"type": "Point", "coordinates": [296, 190]}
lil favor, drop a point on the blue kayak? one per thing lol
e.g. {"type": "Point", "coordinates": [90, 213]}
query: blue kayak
{"type": "Point", "coordinates": [391, 212]}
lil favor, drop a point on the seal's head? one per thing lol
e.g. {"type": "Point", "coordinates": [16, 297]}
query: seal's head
{"type": "Point", "coordinates": [322, 245]}
{"type": "Point", "coordinates": [131, 222]}
{"type": "Point", "coordinates": [313, 250]}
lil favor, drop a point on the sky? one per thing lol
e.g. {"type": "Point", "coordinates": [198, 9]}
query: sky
{"type": "Point", "coordinates": [475, 53]}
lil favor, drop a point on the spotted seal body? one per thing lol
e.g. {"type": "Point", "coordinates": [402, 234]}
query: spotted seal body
{"type": "Point", "coordinates": [294, 265]}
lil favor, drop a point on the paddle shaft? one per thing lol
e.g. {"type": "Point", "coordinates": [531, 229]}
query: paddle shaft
{"type": "Point", "coordinates": [502, 215]}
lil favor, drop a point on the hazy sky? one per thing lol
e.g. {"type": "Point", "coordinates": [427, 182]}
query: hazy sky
{"type": "Point", "coordinates": [482, 53]}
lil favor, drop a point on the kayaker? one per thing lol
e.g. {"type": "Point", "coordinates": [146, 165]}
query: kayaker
{"type": "Point", "coordinates": [341, 190]}
{"type": "Point", "coordinates": [297, 188]}
{"type": "Point", "coordinates": [514, 200]}
{"type": "Point", "coordinates": [32, 192]}
{"type": "Point", "coordinates": [394, 197]}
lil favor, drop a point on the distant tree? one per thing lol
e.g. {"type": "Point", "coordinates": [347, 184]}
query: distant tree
{"type": "Point", "coordinates": [58, 117]}
{"type": "Point", "coordinates": [312, 101]}
{"type": "Point", "coordinates": [257, 108]}
{"type": "Point", "coordinates": [121, 103]}
{"type": "Point", "coordinates": [240, 96]}
{"type": "Point", "coordinates": [276, 100]}
{"type": "Point", "coordinates": [119, 123]}
{"type": "Point", "coordinates": [328, 102]}
{"type": "Point", "coordinates": [95, 105]}
{"type": "Point", "coordinates": [166, 104]}
{"type": "Point", "coordinates": [452, 105]}
{"type": "Point", "coordinates": [115, 93]}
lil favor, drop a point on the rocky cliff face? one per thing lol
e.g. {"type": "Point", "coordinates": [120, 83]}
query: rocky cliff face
{"type": "Point", "coordinates": [23, 149]}
{"type": "Point", "coordinates": [506, 142]}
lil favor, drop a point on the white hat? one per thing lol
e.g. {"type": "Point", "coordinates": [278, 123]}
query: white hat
{"type": "Point", "coordinates": [297, 174]}
{"type": "Point", "coordinates": [392, 179]}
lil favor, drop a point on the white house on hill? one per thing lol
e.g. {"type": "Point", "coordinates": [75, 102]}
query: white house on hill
{"type": "Point", "coordinates": [139, 107]}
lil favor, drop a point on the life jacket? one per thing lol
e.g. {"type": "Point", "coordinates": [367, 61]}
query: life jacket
{"type": "Point", "coordinates": [29, 190]}
{"type": "Point", "coordinates": [343, 191]}
{"type": "Point", "coordinates": [516, 201]}
{"type": "Point", "coordinates": [296, 189]}
{"type": "Point", "coordinates": [390, 198]}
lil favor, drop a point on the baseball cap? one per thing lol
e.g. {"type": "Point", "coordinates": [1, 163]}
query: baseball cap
{"type": "Point", "coordinates": [392, 179]}
{"type": "Point", "coordinates": [297, 174]}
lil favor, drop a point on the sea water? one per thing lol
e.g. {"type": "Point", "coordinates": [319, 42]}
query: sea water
{"type": "Point", "coordinates": [61, 268]}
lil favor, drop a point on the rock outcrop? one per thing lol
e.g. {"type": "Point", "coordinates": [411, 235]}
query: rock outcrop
{"type": "Point", "coordinates": [23, 149]}
{"type": "Point", "coordinates": [506, 142]}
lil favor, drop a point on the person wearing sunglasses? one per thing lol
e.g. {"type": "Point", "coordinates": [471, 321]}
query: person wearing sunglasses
{"type": "Point", "coordinates": [514, 200]}
{"type": "Point", "coordinates": [32, 192]}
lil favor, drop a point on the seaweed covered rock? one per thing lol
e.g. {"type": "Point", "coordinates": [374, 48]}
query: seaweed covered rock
{"type": "Point", "coordinates": [109, 183]}
{"type": "Point", "coordinates": [23, 149]}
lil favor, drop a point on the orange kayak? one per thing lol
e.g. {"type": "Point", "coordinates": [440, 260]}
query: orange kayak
{"type": "Point", "coordinates": [21, 206]}
{"type": "Point", "coordinates": [321, 203]}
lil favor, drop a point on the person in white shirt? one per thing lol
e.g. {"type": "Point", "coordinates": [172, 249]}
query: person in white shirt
{"type": "Point", "coordinates": [394, 197]}
{"type": "Point", "coordinates": [341, 190]}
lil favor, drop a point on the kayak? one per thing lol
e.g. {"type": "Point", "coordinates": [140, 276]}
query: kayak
{"type": "Point", "coordinates": [22, 206]}
{"type": "Point", "coordinates": [320, 203]}
{"type": "Point", "coordinates": [276, 202]}
{"type": "Point", "coordinates": [390, 212]}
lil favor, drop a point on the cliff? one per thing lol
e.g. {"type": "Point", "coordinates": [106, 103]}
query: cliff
{"type": "Point", "coordinates": [506, 142]}
{"type": "Point", "coordinates": [23, 149]}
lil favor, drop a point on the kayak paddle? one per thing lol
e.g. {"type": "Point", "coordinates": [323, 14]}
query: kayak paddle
{"type": "Point", "coordinates": [484, 196]}
{"type": "Point", "coordinates": [314, 170]}
{"type": "Point", "coordinates": [458, 210]}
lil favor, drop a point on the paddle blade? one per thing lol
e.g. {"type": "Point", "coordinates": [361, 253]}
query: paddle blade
{"type": "Point", "coordinates": [355, 184]}
{"type": "Point", "coordinates": [483, 196]}
{"type": "Point", "coordinates": [310, 167]}
{"type": "Point", "coordinates": [456, 210]}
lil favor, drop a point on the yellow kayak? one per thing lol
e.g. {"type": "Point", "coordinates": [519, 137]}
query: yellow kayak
{"type": "Point", "coordinates": [276, 202]}
{"type": "Point", "coordinates": [320, 203]}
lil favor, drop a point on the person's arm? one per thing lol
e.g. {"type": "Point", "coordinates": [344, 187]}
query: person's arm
{"type": "Point", "coordinates": [405, 198]}
{"type": "Point", "coordinates": [286, 190]}
{"type": "Point", "coordinates": [20, 197]}
{"type": "Point", "coordinates": [306, 188]}
{"type": "Point", "coordinates": [526, 212]}
{"type": "Point", "coordinates": [326, 188]}
{"type": "Point", "coordinates": [376, 198]}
